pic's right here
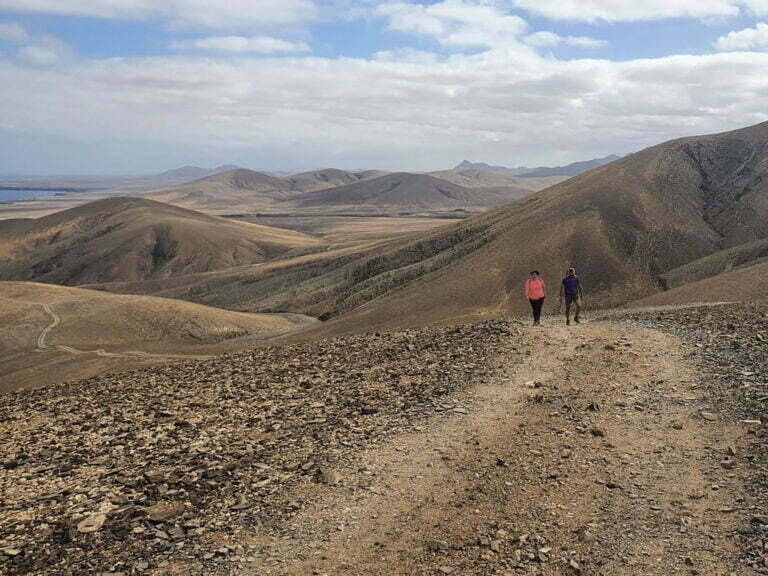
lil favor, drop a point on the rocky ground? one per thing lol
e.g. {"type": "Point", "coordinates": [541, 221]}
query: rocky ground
{"type": "Point", "coordinates": [137, 472]}
{"type": "Point", "coordinates": [630, 445]}
{"type": "Point", "coordinates": [730, 345]}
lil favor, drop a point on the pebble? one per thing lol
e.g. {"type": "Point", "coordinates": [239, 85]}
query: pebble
{"type": "Point", "coordinates": [92, 523]}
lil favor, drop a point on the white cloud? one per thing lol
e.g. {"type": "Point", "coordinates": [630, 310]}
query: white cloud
{"type": "Point", "coordinates": [206, 13]}
{"type": "Point", "coordinates": [635, 10]}
{"type": "Point", "coordinates": [13, 32]}
{"type": "Point", "coordinates": [294, 112]}
{"type": "Point", "coordinates": [42, 54]}
{"type": "Point", "coordinates": [550, 39]}
{"type": "Point", "coordinates": [406, 55]}
{"type": "Point", "coordinates": [455, 22]}
{"type": "Point", "coordinates": [35, 49]}
{"type": "Point", "coordinates": [746, 39]}
{"type": "Point", "coordinates": [241, 44]}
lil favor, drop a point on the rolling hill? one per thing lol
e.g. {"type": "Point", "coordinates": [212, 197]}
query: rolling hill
{"type": "Point", "coordinates": [62, 333]}
{"type": "Point", "coordinates": [327, 178]}
{"type": "Point", "coordinates": [228, 192]}
{"type": "Point", "coordinates": [403, 191]}
{"type": "Point", "coordinates": [515, 186]}
{"type": "Point", "coordinates": [194, 172]}
{"type": "Point", "coordinates": [624, 226]}
{"type": "Point", "coordinates": [133, 239]}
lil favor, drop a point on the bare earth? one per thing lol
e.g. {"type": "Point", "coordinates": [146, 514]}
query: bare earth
{"type": "Point", "coordinates": [488, 449]}
{"type": "Point", "coordinates": [591, 456]}
{"type": "Point", "coordinates": [57, 333]}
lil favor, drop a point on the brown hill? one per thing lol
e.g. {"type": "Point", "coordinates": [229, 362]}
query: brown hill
{"type": "Point", "coordinates": [230, 192]}
{"type": "Point", "coordinates": [130, 239]}
{"type": "Point", "coordinates": [516, 186]}
{"type": "Point", "coordinates": [623, 226]}
{"type": "Point", "coordinates": [62, 333]}
{"type": "Point", "coordinates": [322, 179]}
{"type": "Point", "coordinates": [403, 191]}
{"type": "Point", "coordinates": [717, 263]}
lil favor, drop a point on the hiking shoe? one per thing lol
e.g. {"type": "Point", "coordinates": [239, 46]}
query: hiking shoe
{"type": "Point", "coordinates": [568, 322]}
{"type": "Point", "coordinates": [576, 320]}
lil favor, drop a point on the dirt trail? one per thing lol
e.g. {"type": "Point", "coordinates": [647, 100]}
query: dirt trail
{"type": "Point", "coordinates": [42, 345]}
{"type": "Point", "coordinates": [599, 454]}
{"type": "Point", "coordinates": [55, 321]}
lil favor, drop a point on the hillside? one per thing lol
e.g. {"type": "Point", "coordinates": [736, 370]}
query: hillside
{"type": "Point", "coordinates": [228, 192]}
{"type": "Point", "coordinates": [623, 226]}
{"type": "Point", "coordinates": [403, 191]}
{"type": "Point", "coordinates": [62, 333]}
{"type": "Point", "coordinates": [745, 284]}
{"type": "Point", "coordinates": [717, 263]}
{"type": "Point", "coordinates": [133, 239]}
{"type": "Point", "coordinates": [322, 179]}
{"type": "Point", "coordinates": [515, 186]}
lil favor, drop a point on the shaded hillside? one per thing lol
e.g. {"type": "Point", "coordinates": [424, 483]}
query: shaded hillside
{"type": "Point", "coordinates": [748, 283]}
{"type": "Point", "coordinates": [321, 179]}
{"type": "Point", "coordinates": [132, 239]}
{"type": "Point", "coordinates": [406, 191]}
{"type": "Point", "coordinates": [623, 226]}
{"type": "Point", "coordinates": [62, 333]}
{"type": "Point", "coordinates": [717, 263]}
{"type": "Point", "coordinates": [514, 186]}
{"type": "Point", "coordinates": [233, 191]}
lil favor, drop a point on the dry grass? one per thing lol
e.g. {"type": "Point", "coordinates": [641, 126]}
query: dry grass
{"type": "Point", "coordinates": [70, 333]}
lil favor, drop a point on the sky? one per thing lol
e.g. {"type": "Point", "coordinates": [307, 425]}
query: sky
{"type": "Point", "coordinates": [141, 86]}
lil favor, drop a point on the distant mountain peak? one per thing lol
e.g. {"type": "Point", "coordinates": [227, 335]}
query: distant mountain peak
{"type": "Point", "coordinates": [541, 171]}
{"type": "Point", "coordinates": [190, 172]}
{"type": "Point", "coordinates": [481, 166]}
{"type": "Point", "coordinates": [573, 169]}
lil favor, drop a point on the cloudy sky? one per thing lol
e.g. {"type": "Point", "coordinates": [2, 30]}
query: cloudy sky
{"type": "Point", "coordinates": [129, 86]}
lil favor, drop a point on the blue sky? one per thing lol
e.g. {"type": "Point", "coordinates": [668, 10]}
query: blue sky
{"type": "Point", "coordinates": [128, 86]}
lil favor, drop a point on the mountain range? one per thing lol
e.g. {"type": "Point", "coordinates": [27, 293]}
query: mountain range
{"type": "Point", "coordinates": [573, 169]}
{"type": "Point", "coordinates": [683, 220]}
{"type": "Point", "coordinates": [630, 228]}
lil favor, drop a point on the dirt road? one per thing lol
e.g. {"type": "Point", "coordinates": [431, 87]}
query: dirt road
{"type": "Point", "coordinates": [598, 454]}
{"type": "Point", "coordinates": [42, 343]}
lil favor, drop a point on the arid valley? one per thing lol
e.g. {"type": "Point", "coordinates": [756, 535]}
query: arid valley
{"type": "Point", "coordinates": [437, 288]}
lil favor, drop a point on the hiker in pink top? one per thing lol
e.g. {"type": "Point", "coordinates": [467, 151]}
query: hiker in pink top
{"type": "Point", "coordinates": [536, 291]}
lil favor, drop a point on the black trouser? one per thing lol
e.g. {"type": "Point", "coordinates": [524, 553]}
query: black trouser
{"type": "Point", "coordinates": [536, 305]}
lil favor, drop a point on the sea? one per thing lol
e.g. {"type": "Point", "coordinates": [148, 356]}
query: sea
{"type": "Point", "coordinates": [14, 195]}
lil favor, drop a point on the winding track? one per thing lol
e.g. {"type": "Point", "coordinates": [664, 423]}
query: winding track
{"type": "Point", "coordinates": [42, 345]}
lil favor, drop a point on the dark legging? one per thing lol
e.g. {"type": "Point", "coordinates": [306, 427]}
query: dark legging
{"type": "Point", "coordinates": [536, 305]}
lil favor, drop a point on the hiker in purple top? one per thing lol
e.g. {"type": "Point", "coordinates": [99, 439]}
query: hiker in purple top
{"type": "Point", "coordinates": [570, 291]}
